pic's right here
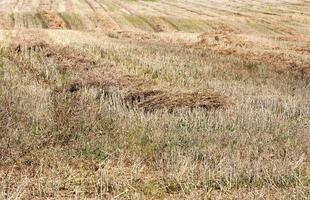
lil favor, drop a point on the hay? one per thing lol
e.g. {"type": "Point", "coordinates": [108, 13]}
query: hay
{"type": "Point", "coordinates": [106, 23]}
{"type": "Point", "coordinates": [159, 99]}
{"type": "Point", "coordinates": [133, 35]}
{"type": "Point", "coordinates": [30, 39]}
{"type": "Point", "coordinates": [52, 20]}
{"type": "Point", "coordinates": [230, 43]}
{"type": "Point", "coordinates": [5, 21]}
{"type": "Point", "coordinates": [147, 94]}
{"type": "Point", "coordinates": [136, 92]}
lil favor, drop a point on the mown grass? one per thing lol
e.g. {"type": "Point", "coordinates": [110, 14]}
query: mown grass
{"type": "Point", "coordinates": [73, 21]}
{"type": "Point", "coordinates": [58, 144]}
{"type": "Point", "coordinates": [190, 67]}
{"type": "Point", "coordinates": [138, 22]}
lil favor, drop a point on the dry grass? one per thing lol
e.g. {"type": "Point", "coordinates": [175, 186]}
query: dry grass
{"type": "Point", "coordinates": [52, 20]}
{"type": "Point", "coordinates": [294, 60]}
{"type": "Point", "coordinates": [91, 73]}
{"type": "Point", "coordinates": [106, 23]}
{"type": "Point", "coordinates": [125, 113]}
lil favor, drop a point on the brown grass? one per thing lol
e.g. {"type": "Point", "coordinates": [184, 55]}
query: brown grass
{"type": "Point", "coordinates": [5, 21]}
{"type": "Point", "coordinates": [282, 60]}
{"type": "Point", "coordinates": [88, 72]}
{"type": "Point", "coordinates": [76, 118]}
{"type": "Point", "coordinates": [133, 35]}
{"type": "Point", "coordinates": [106, 23]}
{"type": "Point", "coordinates": [52, 20]}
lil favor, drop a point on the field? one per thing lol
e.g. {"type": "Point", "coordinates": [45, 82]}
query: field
{"type": "Point", "coordinates": [154, 99]}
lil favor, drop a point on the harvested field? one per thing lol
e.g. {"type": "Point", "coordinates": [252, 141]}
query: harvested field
{"type": "Point", "coordinates": [159, 99]}
{"type": "Point", "coordinates": [5, 21]}
{"type": "Point", "coordinates": [106, 23]}
{"type": "Point", "coordinates": [52, 20]}
{"type": "Point", "coordinates": [139, 36]}
{"type": "Point", "coordinates": [90, 73]}
{"type": "Point", "coordinates": [259, 50]}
